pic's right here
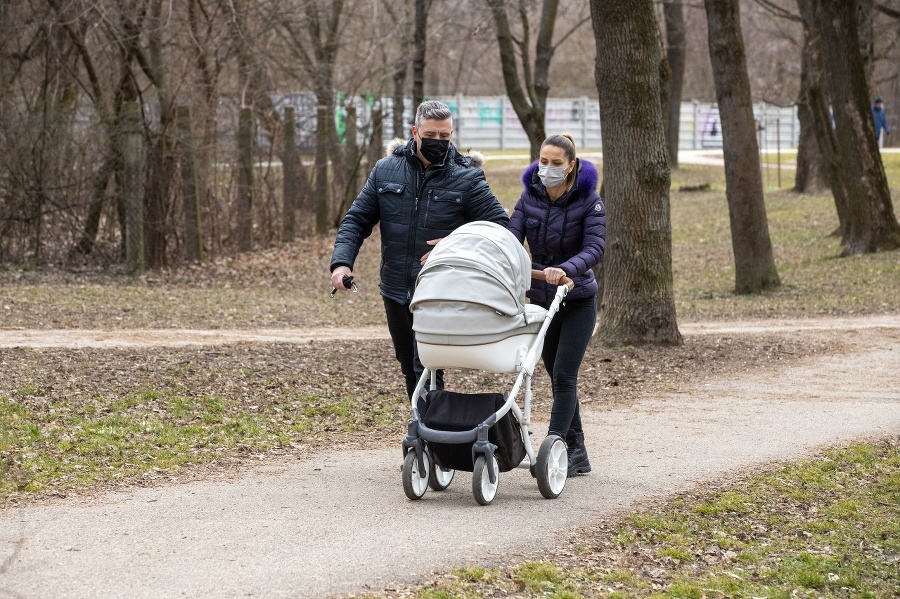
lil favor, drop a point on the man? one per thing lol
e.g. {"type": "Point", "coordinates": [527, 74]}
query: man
{"type": "Point", "coordinates": [419, 193]}
{"type": "Point", "coordinates": [879, 119]}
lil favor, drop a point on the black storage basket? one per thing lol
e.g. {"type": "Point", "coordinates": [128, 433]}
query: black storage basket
{"type": "Point", "coordinates": [450, 411]}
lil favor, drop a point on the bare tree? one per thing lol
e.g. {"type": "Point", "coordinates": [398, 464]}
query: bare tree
{"type": "Point", "coordinates": [638, 301]}
{"type": "Point", "coordinates": [753, 259]}
{"type": "Point", "coordinates": [315, 41]}
{"type": "Point", "coordinates": [401, 63]}
{"type": "Point", "coordinates": [528, 93]}
{"type": "Point", "coordinates": [871, 223]}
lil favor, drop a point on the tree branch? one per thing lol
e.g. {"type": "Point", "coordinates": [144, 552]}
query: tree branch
{"type": "Point", "coordinates": [887, 10]}
{"type": "Point", "coordinates": [777, 11]}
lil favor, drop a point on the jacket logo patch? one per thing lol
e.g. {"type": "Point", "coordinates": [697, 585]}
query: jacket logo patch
{"type": "Point", "coordinates": [598, 207]}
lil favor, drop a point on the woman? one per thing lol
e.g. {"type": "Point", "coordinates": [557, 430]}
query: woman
{"type": "Point", "coordinates": [563, 219]}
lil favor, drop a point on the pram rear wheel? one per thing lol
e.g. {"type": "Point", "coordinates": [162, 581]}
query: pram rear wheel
{"type": "Point", "coordinates": [414, 483]}
{"type": "Point", "coordinates": [552, 466]}
{"type": "Point", "coordinates": [439, 478]}
{"type": "Point", "coordinates": [482, 488]}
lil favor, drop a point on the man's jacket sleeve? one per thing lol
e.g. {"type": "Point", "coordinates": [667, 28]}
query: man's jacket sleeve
{"type": "Point", "coordinates": [356, 225]}
{"type": "Point", "coordinates": [483, 205]}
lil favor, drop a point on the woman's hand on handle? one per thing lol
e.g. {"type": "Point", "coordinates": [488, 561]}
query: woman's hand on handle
{"type": "Point", "coordinates": [554, 276]}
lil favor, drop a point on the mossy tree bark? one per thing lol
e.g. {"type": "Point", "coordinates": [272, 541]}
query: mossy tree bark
{"type": "Point", "coordinates": [638, 303]}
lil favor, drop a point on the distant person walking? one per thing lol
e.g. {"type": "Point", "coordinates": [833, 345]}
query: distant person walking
{"type": "Point", "coordinates": [880, 120]}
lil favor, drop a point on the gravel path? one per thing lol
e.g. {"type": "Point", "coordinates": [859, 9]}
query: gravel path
{"type": "Point", "coordinates": [340, 523]}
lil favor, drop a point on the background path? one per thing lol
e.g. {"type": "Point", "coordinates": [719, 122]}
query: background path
{"type": "Point", "coordinates": [340, 523]}
{"type": "Point", "coordinates": [109, 338]}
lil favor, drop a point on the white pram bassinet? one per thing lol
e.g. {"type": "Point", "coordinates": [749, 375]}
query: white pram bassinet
{"type": "Point", "coordinates": [469, 307]}
{"type": "Point", "coordinates": [469, 311]}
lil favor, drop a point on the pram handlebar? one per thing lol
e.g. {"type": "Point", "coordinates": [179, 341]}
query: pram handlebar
{"type": "Point", "coordinates": [539, 275]}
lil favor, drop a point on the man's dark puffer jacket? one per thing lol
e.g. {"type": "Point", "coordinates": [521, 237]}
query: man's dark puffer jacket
{"type": "Point", "coordinates": [413, 206]}
{"type": "Point", "coordinates": [569, 233]}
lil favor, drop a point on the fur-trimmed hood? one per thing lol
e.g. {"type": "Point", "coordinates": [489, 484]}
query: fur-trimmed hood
{"type": "Point", "coordinates": [474, 158]}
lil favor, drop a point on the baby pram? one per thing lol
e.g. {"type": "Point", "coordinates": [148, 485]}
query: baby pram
{"type": "Point", "coordinates": [469, 311]}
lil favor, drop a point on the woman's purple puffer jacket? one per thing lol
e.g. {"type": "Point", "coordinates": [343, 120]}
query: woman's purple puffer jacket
{"type": "Point", "coordinates": [569, 233]}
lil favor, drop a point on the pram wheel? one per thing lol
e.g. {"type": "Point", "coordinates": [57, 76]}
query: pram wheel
{"type": "Point", "coordinates": [482, 488]}
{"type": "Point", "coordinates": [439, 478]}
{"type": "Point", "coordinates": [414, 484]}
{"type": "Point", "coordinates": [552, 466]}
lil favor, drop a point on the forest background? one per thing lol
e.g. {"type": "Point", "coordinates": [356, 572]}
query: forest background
{"type": "Point", "coordinates": [68, 69]}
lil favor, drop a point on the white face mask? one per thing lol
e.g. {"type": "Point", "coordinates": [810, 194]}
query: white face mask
{"type": "Point", "coordinates": [552, 176]}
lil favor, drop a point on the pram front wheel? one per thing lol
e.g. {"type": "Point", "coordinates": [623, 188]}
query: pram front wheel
{"type": "Point", "coordinates": [439, 478]}
{"type": "Point", "coordinates": [414, 482]}
{"type": "Point", "coordinates": [482, 487]}
{"type": "Point", "coordinates": [552, 466]}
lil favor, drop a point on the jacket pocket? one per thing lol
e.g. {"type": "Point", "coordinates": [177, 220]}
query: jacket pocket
{"type": "Point", "coordinates": [444, 210]}
{"type": "Point", "coordinates": [390, 202]}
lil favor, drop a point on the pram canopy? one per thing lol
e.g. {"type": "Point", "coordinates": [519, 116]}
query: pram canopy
{"type": "Point", "coordinates": [473, 286]}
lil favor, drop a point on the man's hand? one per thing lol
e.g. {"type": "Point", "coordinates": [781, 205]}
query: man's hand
{"type": "Point", "coordinates": [337, 277]}
{"type": "Point", "coordinates": [426, 254]}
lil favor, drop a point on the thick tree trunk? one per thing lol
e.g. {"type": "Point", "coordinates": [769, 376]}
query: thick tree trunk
{"type": "Point", "coordinates": [133, 187]}
{"type": "Point", "coordinates": [245, 180]}
{"type": "Point", "coordinates": [812, 176]}
{"type": "Point", "coordinates": [321, 168]}
{"type": "Point", "coordinates": [872, 225]}
{"type": "Point", "coordinates": [753, 259]}
{"type": "Point", "coordinates": [352, 159]}
{"type": "Point", "coordinates": [638, 303]}
{"type": "Point", "coordinates": [675, 56]}
{"type": "Point", "coordinates": [397, 125]}
{"type": "Point", "coordinates": [111, 165]}
{"type": "Point", "coordinates": [809, 178]}
{"type": "Point", "coordinates": [158, 191]}
{"type": "Point", "coordinates": [820, 111]}
{"type": "Point", "coordinates": [190, 201]}
{"type": "Point", "coordinates": [289, 169]}
{"type": "Point", "coordinates": [376, 142]}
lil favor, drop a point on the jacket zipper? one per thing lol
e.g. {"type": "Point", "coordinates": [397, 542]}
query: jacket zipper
{"type": "Point", "coordinates": [421, 179]}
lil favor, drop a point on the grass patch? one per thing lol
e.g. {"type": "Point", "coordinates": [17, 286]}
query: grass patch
{"type": "Point", "coordinates": [756, 538]}
{"type": "Point", "coordinates": [67, 444]}
{"type": "Point", "coordinates": [84, 421]}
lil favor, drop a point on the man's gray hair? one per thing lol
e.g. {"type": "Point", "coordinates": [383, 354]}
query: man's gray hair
{"type": "Point", "coordinates": [432, 110]}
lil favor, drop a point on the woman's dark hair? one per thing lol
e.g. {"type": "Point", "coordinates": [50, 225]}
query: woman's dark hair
{"type": "Point", "coordinates": [566, 143]}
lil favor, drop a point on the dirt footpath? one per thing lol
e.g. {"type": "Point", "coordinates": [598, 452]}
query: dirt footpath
{"type": "Point", "coordinates": [340, 523]}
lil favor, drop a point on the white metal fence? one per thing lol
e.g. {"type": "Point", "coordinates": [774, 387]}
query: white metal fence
{"type": "Point", "coordinates": [490, 123]}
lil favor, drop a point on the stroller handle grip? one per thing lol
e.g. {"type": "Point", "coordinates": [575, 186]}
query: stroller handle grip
{"type": "Point", "coordinates": [539, 275]}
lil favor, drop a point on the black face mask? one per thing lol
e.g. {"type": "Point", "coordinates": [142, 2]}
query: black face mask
{"type": "Point", "coordinates": [434, 150]}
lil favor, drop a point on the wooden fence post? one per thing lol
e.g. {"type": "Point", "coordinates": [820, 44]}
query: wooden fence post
{"type": "Point", "coordinates": [245, 180]}
{"type": "Point", "coordinates": [133, 187]}
{"type": "Point", "coordinates": [289, 170]}
{"type": "Point", "coordinates": [193, 240]}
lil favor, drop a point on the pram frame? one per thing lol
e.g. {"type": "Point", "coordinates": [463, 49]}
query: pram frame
{"type": "Point", "coordinates": [418, 434]}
